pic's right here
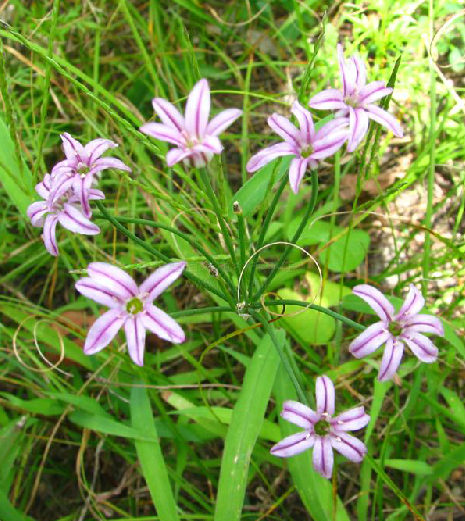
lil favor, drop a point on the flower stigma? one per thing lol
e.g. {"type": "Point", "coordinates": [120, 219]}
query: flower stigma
{"type": "Point", "coordinates": [322, 428]}
{"type": "Point", "coordinates": [395, 328]}
{"type": "Point", "coordinates": [134, 306]}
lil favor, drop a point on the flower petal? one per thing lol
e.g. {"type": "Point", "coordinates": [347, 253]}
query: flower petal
{"type": "Point", "coordinates": [361, 76]}
{"type": "Point", "coordinates": [43, 188]}
{"type": "Point", "coordinates": [423, 324]}
{"type": "Point", "coordinates": [161, 279]}
{"type": "Point", "coordinates": [81, 187]}
{"type": "Point", "coordinates": [376, 300]}
{"type": "Point", "coordinates": [373, 92]}
{"type": "Point", "coordinates": [329, 144]}
{"type": "Point", "coordinates": [325, 395]}
{"type": "Point", "coordinates": [293, 445]}
{"type": "Point", "coordinates": [329, 99]}
{"type": "Point", "coordinates": [358, 128]}
{"type": "Point", "coordinates": [163, 133]}
{"type": "Point", "coordinates": [95, 148]}
{"type": "Point", "coordinates": [421, 346]}
{"type": "Point", "coordinates": [73, 149]}
{"type": "Point", "coordinates": [210, 144]}
{"type": "Point", "coordinates": [103, 330]}
{"type": "Point", "coordinates": [100, 293]}
{"type": "Point", "coordinates": [48, 234]}
{"type": "Point", "coordinates": [177, 154]}
{"type": "Point", "coordinates": [350, 420]}
{"type": "Point", "coordinates": [198, 109]}
{"type": "Point", "coordinates": [349, 446]}
{"type": "Point", "coordinates": [108, 162]}
{"type": "Point", "coordinates": [296, 172]}
{"type": "Point", "coordinates": [265, 156]}
{"type": "Point", "coordinates": [391, 359]}
{"type": "Point", "coordinates": [412, 305]}
{"type": "Point", "coordinates": [36, 212]}
{"type": "Point", "coordinates": [299, 414]}
{"type": "Point", "coordinates": [72, 219]}
{"type": "Point", "coordinates": [330, 127]}
{"type": "Point", "coordinates": [284, 128]}
{"type": "Point", "coordinates": [385, 119]}
{"type": "Point", "coordinates": [135, 336]}
{"type": "Point", "coordinates": [323, 457]}
{"type": "Point", "coordinates": [169, 114]}
{"type": "Point", "coordinates": [307, 128]}
{"type": "Point", "coordinates": [113, 278]}
{"type": "Point", "coordinates": [342, 69]}
{"type": "Point", "coordinates": [162, 325]}
{"type": "Point", "coordinates": [368, 342]}
{"type": "Point", "coordinates": [222, 121]}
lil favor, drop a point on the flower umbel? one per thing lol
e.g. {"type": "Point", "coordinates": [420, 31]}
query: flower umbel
{"type": "Point", "coordinates": [322, 431]}
{"type": "Point", "coordinates": [130, 306]}
{"type": "Point", "coordinates": [356, 100]}
{"type": "Point", "coordinates": [306, 145]}
{"type": "Point", "coordinates": [196, 138]}
{"type": "Point", "coordinates": [396, 330]}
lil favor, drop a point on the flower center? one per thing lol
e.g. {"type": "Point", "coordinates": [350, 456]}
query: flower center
{"type": "Point", "coordinates": [352, 100]}
{"type": "Point", "coordinates": [82, 169]}
{"type": "Point", "coordinates": [134, 306]}
{"type": "Point", "coordinates": [306, 151]}
{"type": "Point", "coordinates": [321, 427]}
{"type": "Point", "coordinates": [191, 141]}
{"type": "Point", "coordinates": [395, 328]}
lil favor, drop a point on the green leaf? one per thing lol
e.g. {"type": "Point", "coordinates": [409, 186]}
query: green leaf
{"type": "Point", "coordinates": [18, 186]}
{"type": "Point", "coordinates": [246, 423]}
{"type": "Point", "coordinates": [7, 510]}
{"type": "Point", "coordinates": [151, 457]}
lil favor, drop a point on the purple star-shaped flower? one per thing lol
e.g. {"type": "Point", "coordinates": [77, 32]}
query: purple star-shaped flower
{"type": "Point", "coordinates": [396, 330]}
{"type": "Point", "coordinates": [196, 138]}
{"type": "Point", "coordinates": [130, 306]}
{"type": "Point", "coordinates": [356, 100]}
{"type": "Point", "coordinates": [82, 163]}
{"type": "Point", "coordinates": [306, 145]}
{"type": "Point", "coordinates": [60, 205]}
{"type": "Point", "coordinates": [323, 431]}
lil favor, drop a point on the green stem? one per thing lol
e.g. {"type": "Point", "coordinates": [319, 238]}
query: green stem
{"type": "Point", "coordinates": [159, 255]}
{"type": "Point", "coordinates": [242, 236]}
{"type": "Point", "coordinates": [263, 231]}
{"type": "Point", "coordinates": [286, 363]}
{"type": "Point", "coordinates": [298, 233]}
{"type": "Point", "coordinates": [199, 311]}
{"type": "Point", "coordinates": [192, 242]}
{"type": "Point", "coordinates": [211, 195]}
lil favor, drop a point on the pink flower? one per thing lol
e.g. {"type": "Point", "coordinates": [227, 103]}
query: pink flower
{"type": "Point", "coordinates": [396, 330]}
{"type": "Point", "coordinates": [195, 138]}
{"type": "Point", "coordinates": [356, 100]}
{"type": "Point", "coordinates": [82, 163]}
{"type": "Point", "coordinates": [323, 431]}
{"type": "Point", "coordinates": [130, 306]}
{"type": "Point", "coordinates": [60, 206]}
{"type": "Point", "coordinates": [306, 145]}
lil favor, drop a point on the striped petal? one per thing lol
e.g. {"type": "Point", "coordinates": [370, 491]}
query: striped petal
{"type": "Point", "coordinates": [285, 129]}
{"type": "Point", "coordinates": [210, 144]}
{"type": "Point", "coordinates": [161, 279]}
{"type": "Point", "coordinates": [385, 119]}
{"type": "Point", "coordinates": [328, 128]}
{"type": "Point", "coordinates": [95, 148]}
{"type": "Point", "coordinates": [175, 155]}
{"type": "Point", "coordinates": [43, 188]}
{"type": "Point", "coordinates": [361, 76]}
{"type": "Point", "coordinates": [81, 187]}
{"type": "Point", "coordinates": [169, 114]}
{"type": "Point", "coordinates": [350, 420]}
{"type": "Point", "coordinates": [73, 220]}
{"type": "Point", "coordinates": [342, 69]}
{"type": "Point", "coordinates": [325, 395]}
{"type": "Point", "coordinates": [36, 213]}
{"type": "Point", "coordinates": [296, 173]}
{"type": "Point", "coordinates": [412, 305]}
{"type": "Point", "coordinates": [307, 128]}
{"type": "Point", "coordinates": [198, 109]}
{"type": "Point", "coordinates": [349, 446]}
{"type": "Point", "coordinates": [423, 324]}
{"type": "Point", "coordinates": [392, 356]}
{"type": "Point", "coordinates": [299, 414]}
{"type": "Point", "coordinates": [376, 300]}
{"type": "Point", "coordinates": [370, 340]}
{"type": "Point", "coordinates": [293, 445]}
{"type": "Point", "coordinates": [135, 337]}
{"type": "Point", "coordinates": [421, 346]}
{"type": "Point", "coordinates": [162, 325]}
{"type": "Point", "coordinates": [114, 278]}
{"type": "Point", "coordinates": [100, 293]}
{"type": "Point", "coordinates": [329, 99]}
{"type": "Point", "coordinates": [323, 458]}
{"type": "Point", "coordinates": [358, 128]}
{"type": "Point", "coordinates": [373, 92]}
{"type": "Point", "coordinates": [163, 133]}
{"type": "Point", "coordinates": [329, 144]}
{"type": "Point", "coordinates": [222, 121]}
{"type": "Point", "coordinates": [108, 162]}
{"type": "Point", "coordinates": [48, 234]}
{"type": "Point", "coordinates": [103, 330]}
{"type": "Point", "coordinates": [265, 156]}
{"type": "Point", "coordinates": [72, 148]}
